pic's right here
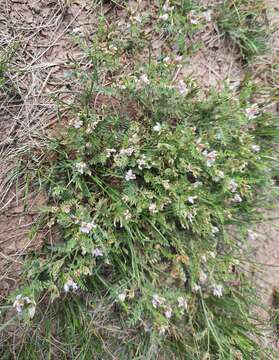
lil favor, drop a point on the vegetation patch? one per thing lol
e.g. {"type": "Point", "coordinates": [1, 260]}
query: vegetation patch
{"type": "Point", "coordinates": [153, 188]}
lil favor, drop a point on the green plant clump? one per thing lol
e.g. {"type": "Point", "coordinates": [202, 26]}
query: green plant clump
{"type": "Point", "coordinates": [244, 24]}
{"type": "Point", "coordinates": [151, 193]}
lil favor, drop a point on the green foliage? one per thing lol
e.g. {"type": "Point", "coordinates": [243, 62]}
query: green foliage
{"type": "Point", "coordinates": [152, 190]}
{"type": "Point", "coordinates": [243, 22]}
{"type": "Point", "coordinates": [143, 189]}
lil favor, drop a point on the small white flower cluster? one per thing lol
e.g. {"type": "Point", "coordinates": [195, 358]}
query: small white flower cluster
{"type": "Point", "coordinates": [109, 152]}
{"type": "Point", "coordinates": [141, 162]}
{"type": "Point", "coordinates": [196, 288]}
{"type": "Point", "coordinates": [77, 123]}
{"type": "Point", "coordinates": [193, 17]}
{"type": "Point", "coordinates": [70, 285]}
{"type": "Point", "coordinates": [191, 199]}
{"type": "Point", "coordinates": [130, 175]}
{"type": "Point", "coordinates": [207, 15]}
{"type": "Point", "coordinates": [255, 148]}
{"type": "Point", "coordinates": [217, 290]}
{"type": "Point", "coordinates": [166, 7]}
{"type": "Point", "coordinates": [237, 198]}
{"type": "Point", "coordinates": [153, 208]}
{"type": "Point", "coordinates": [182, 88]}
{"type": "Point", "coordinates": [202, 277]}
{"type": "Point", "coordinates": [219, 175]}
{"type": "Point", "coordinates": [127, 214]}
{"type": "Point", "coordinates": [128, 152]}
{"type": "Point", "coordinates": [182, 303]}
{"type": "Point", "coordinates": [97, 253]}
{"type": "Point", "coordinates": [252, 111]}
{"type": "Point", "coordinates": [23, 301]}
{"type": "Point", "coordinates": [122, 297]}
{"type": "Point", "coordinates": [81, 167]}
{"type": "Point", "coordinates": [142, 81]}
{"type": "Point", "coordinates": [86, 227]}
{"type": "Point", "coordinates": [157, 301]}
{"type": "Point", "coordinates": [157, 127]}
{"type": "Point", "coordinates": [210, 157]}
{"type": "Point", "coordinates": [163, 329]}
{"type": "Point", "coordinates": [233, 186]}
{"type": "Point", "coordinates": [177, 60]}
{"type": "Point", "coordinates": [251, 235]}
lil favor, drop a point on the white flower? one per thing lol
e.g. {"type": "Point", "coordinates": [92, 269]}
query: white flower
{"type": "Point", "coordinates": [193, 18]}
{"type": "Point", "coordinates": [196, 288]}
{"type": "Point", "coordinates": [168, 313]}
{"type": "Point", "coordinates": [219, 175]}
{"type": "Point", "coordinates": [251, 235]}
{"type": "Point", "coordinates": [144, 79]}
{"type": "Point", "coordinates": [87, 227]}
{"type": "Point", "coordinates": [207, 15]}
{"type": "Point", "coordinates": [113, 48]}
{"type": "Point", "coordinates": [97, 252]}
{"type": "Point", "coordinates": [129, 151]}
{"type": "Point", "coordinates": [202, 277]}
{"type": "Point", "coordinates": [76, 30]}
{"type": "Point", "coordinates": [157, 301]}
{"type": "Point", "coordinates": [166, 184]}
{"type": "Point", "coordinates": [197, 184]}
{"type": "Point", "coordinates": [109, 152]}
{"type": "Point", "coordinates": [210, 157]}
{"type": "Point", "coordinates": [212, 254]}
{"type": "Point", "coordinates": [237, 198]}
{"type": "Point", "coordinates": [122, 297]}
{"type": "Point", "coordinates": [141, 81]}
{"type": "Point", "coordinates": [167, 60]}
{"type": "Point", "coordinates": [164, 17]}
{"type": "Point", "coordinates": [127, 214]}
{"type": "Point", "coordinates": [182, 88]}
{"type": "Point", "coordinates": [80, 167]}
{"type": "Point", "coordinates": [182, 302]}
{"type": "Point", "coordinates": [233, 186]}
{"type": "Point", "coordinates": [215, 230]}
{"type": "Point", "coordinates": [217, 290]}
{"type": "Point", "coordinates": [137, 18]}
{"type": "Point", "coordinates": [190, 217]}
{"type": "Point", "coordinates": [78, 123]}
{"type": "Point", "coordinates": [191, 199]}
{"type": "Point", "coordinates": [157, 127]}
{"type": "Point", "coordinates": [163, 329]}
{"type": "Point", "coordinates": [178, 59]}
{"type": "Point", "coordinates": [203, 258]}
{"type": "Point", "coordinates": [70, 285]}
{"type": "Point", "coordinates": [255, 148]}
{"type": "Point", "coordinates": [130, 175]}
{"type": "Point", "coordinates": [167, 7]}
{"type": "Point", "coordinates": [141, 163]}
{"type": "Point", "coordinates": [153, 208]}
{"type": "Point", "coordinates": [19, 303]}
{"type": "Point", "coordinates": [252, 111]}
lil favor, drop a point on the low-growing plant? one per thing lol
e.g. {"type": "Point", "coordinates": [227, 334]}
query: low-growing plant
{"type": "Point", "coordinates": [152, 194]}
{"type": "Point", "coordinates": [143, 188]}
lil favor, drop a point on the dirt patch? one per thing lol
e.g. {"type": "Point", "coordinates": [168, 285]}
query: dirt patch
{"type": "Point", "coordinates": [38, 37]}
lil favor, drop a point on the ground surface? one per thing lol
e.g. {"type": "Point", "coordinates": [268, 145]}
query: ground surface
{"type": "Point", "coordinates": [42, 32]}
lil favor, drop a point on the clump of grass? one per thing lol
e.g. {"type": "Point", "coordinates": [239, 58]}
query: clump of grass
{"type": "Point", "coordinates": [243, 23]}
{"type": "Point", "coordinates": [142, 188]}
